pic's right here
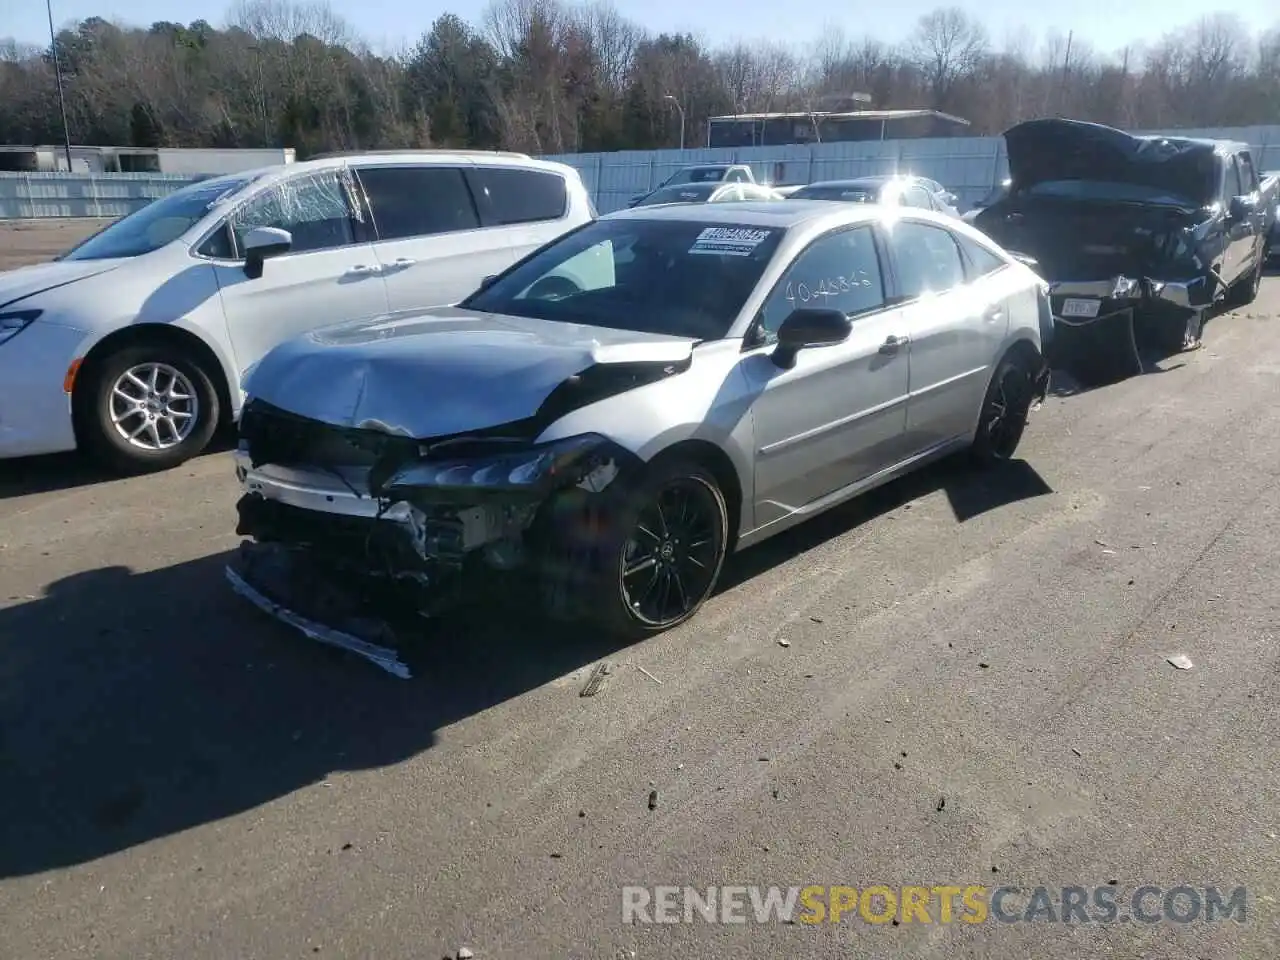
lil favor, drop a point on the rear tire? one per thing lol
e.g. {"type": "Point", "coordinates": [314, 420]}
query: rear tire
{"type": "Point", "coordinates": [145, 408]}
{"type": "Point", "coordinates": [646, 558]}
{"type": "Point", "coordinates": [1003, 417]}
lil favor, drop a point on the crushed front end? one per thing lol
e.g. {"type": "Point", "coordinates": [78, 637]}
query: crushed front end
{"type": "Point", "coordinates": [1116, 278]}
{"type": "Point", "coordinates": [355, 533]}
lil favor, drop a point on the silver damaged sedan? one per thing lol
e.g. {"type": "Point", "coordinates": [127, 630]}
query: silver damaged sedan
{"type": "Point", "coordinates": [611, 417]}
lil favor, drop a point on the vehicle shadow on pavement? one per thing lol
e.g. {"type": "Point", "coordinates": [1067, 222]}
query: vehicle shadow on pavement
{"type": "Point", "coordinates": [970, 493]}
{"type": "Point", "coordinates": [27, 476]}
{"type": "Point", "coordinates": [137, 705]}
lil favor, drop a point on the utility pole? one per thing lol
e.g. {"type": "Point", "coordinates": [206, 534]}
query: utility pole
{"type": "Point", "coordinates": [1066, 70]}
{"type": "Point", "coordinates": [681, 109]}
{"type": "Point", "coordinates": [57, 73]}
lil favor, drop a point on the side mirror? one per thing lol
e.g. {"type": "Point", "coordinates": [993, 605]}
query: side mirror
{"type": "Point", "coordinates": [260, 245]}
{"type": "Point", "coordinates": [487, 282]}
{"type": "Point", "coordinates": [1240, 207]}
{"type": "Point", "coordinates": [809, 327]}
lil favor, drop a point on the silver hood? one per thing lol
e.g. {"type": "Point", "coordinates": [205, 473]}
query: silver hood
{"type": "Point", "coordinates": [441, 372]}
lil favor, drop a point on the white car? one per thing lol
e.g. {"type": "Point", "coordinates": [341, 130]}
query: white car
{"type": "Point", "coordinates": [133, 344]}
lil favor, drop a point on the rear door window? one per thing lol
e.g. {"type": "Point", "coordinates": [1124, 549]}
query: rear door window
{"type": "Point", "coordinates": [509, 195]}
{"type": "Point", "coordinates": [981, 260]}
{"type": "Point", "coordinates": [927, 259]}
{"type": "Point", "coordinates": [419, 201]}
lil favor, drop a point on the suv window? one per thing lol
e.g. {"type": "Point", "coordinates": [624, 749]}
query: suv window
{"type": "Point", "coordinates": [1234, 188]}
{"type": "Point", "coordinates": [511, 195]}
{"type": "Point", "coordinates": [419, 201]}
{"type": "Point", "coordinates": [927, 258]}
{"type": "Point", "coordinates": [314, 209]}
{"type": "Point", "coordinates": [1248, 178]}
{"type": "Point", "coordinates": [917, 197]}
{"type": "Point", "coordinates": [981, 260]}
{"type": "Point", "coordinates": [840, 271]}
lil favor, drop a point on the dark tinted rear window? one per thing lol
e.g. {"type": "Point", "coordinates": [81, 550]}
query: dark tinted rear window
{"type": "Point", "coordinates": [685, 193]}
{"type": "Point", "coordinates": [846, 194]}
{"type": "Point", "coordinates": [511, 195]}
{"type": "Point", "coordinates": [418, 201]}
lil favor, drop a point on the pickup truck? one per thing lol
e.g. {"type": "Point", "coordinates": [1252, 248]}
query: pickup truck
{"type": "Point", "coordinates": [702, 173]}
{"type": "Point", "coordinates": [1138, 238]}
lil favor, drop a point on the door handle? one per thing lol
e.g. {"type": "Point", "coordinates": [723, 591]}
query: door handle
{"type": "Point", "coordinates": [404, 262]}
{"type": "Point", "coordinates": [361, 269]}
{"type": "Point", "coordinates": [892, 345]}
{"type": "Point", "coordinates": [992, 314]}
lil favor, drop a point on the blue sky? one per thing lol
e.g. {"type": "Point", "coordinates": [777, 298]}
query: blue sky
{"type": "Point", "coordinates": [389, 23]}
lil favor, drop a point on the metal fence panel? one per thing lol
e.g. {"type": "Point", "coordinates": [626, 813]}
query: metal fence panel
{"type": "Point", "coordinates": [968, 166]}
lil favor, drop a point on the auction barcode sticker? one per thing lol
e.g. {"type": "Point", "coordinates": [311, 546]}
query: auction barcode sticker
{"type": "Point", "coordinates": [729, 241]}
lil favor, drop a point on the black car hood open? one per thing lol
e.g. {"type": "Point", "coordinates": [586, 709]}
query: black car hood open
{"type": "Point", "coordinates": [1045, 150]}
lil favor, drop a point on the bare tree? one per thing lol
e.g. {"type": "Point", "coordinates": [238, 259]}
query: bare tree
{"type": "Point", "coordinates": [946, 47]}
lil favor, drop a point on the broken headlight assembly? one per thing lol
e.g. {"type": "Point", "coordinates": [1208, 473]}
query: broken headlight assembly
{"type": "Point", "coordinates": [514, 469]}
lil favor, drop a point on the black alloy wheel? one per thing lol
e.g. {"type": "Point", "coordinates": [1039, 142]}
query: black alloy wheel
{"type": "Point", "coordinates": [672, 557]}
{"type": "Point", "coordinates": [1004, 411]}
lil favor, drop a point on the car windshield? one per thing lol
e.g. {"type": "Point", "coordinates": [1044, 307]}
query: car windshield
{"type": "Point", "coordinates": [1108, 190]}
{"type": "Point", "coordinates": [697, 175]}
{"type": "Point", "coordinates": [846, 194]}
{"type": "Point", "coordinates": [684, 278]}
{"type": "Point", "coordinates": [158, 223]}
{"type": "Point", "coordinates": [689, 193]}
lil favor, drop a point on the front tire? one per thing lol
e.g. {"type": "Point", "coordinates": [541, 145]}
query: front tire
{"type": "Point", "coordinates": [146, 408]}
{"type": "Point", "coordinates": [1246, 289]}
{"type": "Point", "coordinates": [656, 550]}
{"type": "Point", "coordinates": [1005, 407]}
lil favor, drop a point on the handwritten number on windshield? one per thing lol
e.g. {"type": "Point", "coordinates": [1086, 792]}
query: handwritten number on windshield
{"type": "Point", "coordinates": [808, 293]}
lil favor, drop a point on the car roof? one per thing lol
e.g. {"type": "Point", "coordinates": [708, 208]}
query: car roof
{"type": "Point", "coordinates": [281, 171]}
{"type": "Point", "coordinates": [763, 213]}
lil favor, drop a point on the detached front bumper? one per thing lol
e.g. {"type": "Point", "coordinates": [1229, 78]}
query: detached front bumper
{"type": "Point", "coordinates": [1077, 302]}
{"type": "Point", "coordinates": [348, 562]}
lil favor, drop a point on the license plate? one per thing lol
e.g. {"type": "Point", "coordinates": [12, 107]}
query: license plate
{"type": "Point", "coordinates": [1081, 308]}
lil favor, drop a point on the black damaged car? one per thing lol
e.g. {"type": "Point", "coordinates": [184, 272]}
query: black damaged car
{"type": "Point", "coordinates": [1138, 237]}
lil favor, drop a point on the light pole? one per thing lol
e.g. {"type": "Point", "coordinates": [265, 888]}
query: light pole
{"type": "Point", "coordinates": [262, 94]}
{"type": "Point", "coordinates": [57, 74]}
{"type": "Point", "coordinates": [681, 109]}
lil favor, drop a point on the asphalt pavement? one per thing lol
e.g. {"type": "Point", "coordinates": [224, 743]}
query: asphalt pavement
{"type": "Point", "coordinates": [958, 680]}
